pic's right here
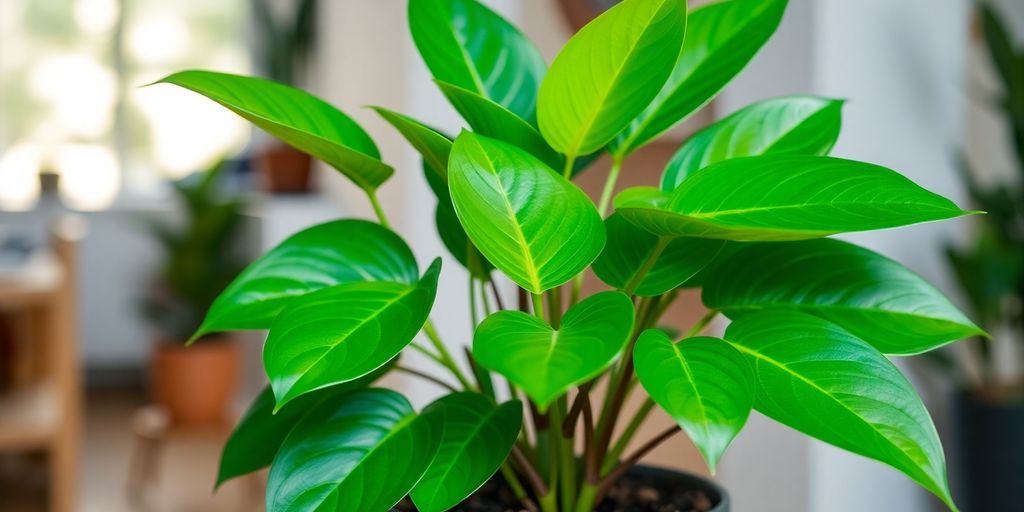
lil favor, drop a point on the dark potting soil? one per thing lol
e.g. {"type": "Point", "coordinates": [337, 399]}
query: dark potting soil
{"type": "Point", "coordinates": [630, 494]}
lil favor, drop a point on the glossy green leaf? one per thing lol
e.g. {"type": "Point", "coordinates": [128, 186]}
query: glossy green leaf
{"type": "Point", "coordinates": [344, 332]}
{"type": "Point", "coordinates": [641, 197]}
{"type": "Point", "coordinates": [298, 118]}
{"type": "Point", "coordinates": [533, 225]}
{"type": "Point", "coordinates": [363, 452]}
{"type": "Point", "coordinates": [799, 125]}
{"type": "Point", "coordinates": [628, 249]}
{"type": "Point", "coordinates": [430, 143]}
{"type": "Point", "coordinates": [872, 296]}
{"type": "Point", "coordinates": [820, 379]}
{"type": "Point", "coordinates": [468, 45]}
{"type": "Point", "coordinates": [258, 435]}
{"type": "Point", "coordinates": [721, 38]}
{"type": "Point", "coordinates": [329, 254]}
{"type": "Point", "coordinates": [495, 121]}
{"type": "Point", "coordinates": [704, 384]}
{"type": "Point", "coordinates": [608, 73]}
{"type": "Point", "coordinates": [455, 239]}
{"type": "Point", "coordinates": [787, 197]}
{"type": "Point", "coordinates": [478, 436]}
{"type": "Point", "coordinates": [545, 362]}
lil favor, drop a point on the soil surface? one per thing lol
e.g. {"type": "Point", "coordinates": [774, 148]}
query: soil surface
{"type": "Point", "coordinates": [630, 494]}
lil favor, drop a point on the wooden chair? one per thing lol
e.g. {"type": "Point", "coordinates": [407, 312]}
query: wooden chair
{"type": "Point", "coordinates": [42, 410]}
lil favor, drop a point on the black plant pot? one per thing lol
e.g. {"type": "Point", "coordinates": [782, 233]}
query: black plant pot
{"type": "Point", "coordinates": [991, 449]}
{"type": "Point", "coordinates": [660, 486]}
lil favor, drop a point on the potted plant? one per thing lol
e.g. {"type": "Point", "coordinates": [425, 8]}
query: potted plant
{"type": "Point", "coordinates": [990, 270]}
{"type": "Point", "coordinates": [201, 257]}
{"type": "Point", "coordinates": [283, 50]}
{"type": "Point", "coordinates": [743, 211]}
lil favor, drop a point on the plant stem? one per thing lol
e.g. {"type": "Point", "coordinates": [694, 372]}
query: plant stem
{"type": "Point", "coordinates": [538, 306]}
{"type": "Point", "coordinates": [570, 160]}
{"type": "Point", "coordinates": [609, 185]}
{"type": "Point", "coordinates": [473, 318]}
{"type": "Point", "coordinates": [646, 267]}
{"type": "Point", "coordinates": [635, 457]}
{"type": "Point", "coordinates": [445, 357]}
{"type": "Point", "coordinates": [427, 352]}
{"type": "Point", "coordinates": [701, 324]}
{"type": "Point", "coordinates": [425, 376]}
{"type": "Point", "coordinates": [530, 472]}
{"type": "Point", "coordinates": [381, 217]}
{"type": "Point", "coordinates": [627, 435]}
{"type": "Point", "coordinates": [497, 295]}
{"type": "Point", "coordinates": [517, 487]}
{"type": "Point", "coordinates": [582, 397]}
{"type": "Point", "coordinates": [485, 300]}
{"type": "Point", "coordinates": [555, 306]}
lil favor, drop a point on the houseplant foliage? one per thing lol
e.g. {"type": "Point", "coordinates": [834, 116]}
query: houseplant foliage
{"type": "Point", "coordinates": [743, 212]}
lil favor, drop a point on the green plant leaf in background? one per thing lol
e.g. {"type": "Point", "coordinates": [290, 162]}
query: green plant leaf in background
{"type": "Point", "coordinates": [260, 432]}
{"type": "Point", "coordinates": [800, 125]}
{"type": "Point", "coordinates": [298, 118]}
{"type": "Point", "coordinates": [641, 197]}
{"type": "Point", "coordinates": [492, 120]}
{"type": "Point", "coordinates": [628, 248]}
{"type": "Point", "coordinates": [545, 362]}
{"type": "Point", "coordinates": [342, 454]}
{"type": "Point", "coordinates": [703, 383]}
{"type": "Point", "coordinates": [344, 332]}
{"type": "Point", "coordinates": [874, 297]}
{"type": "Point", "coordinates": [721, 38]}
{"type": "Point", "coordinates": [468, 45]}
{"type": "Point", "coordinates": [478, 436]}
{"type": "Point", "coordinates": [329, 254]}
{"type": "Point", "coordinates": [608, 73]}
{"type": "Point", "coordinates": [455, 239]}
{"type": "Point", "coordinates": [791, 197]}
{"type": "Point", "coordinates": [533, 225]}
{"type": "Point", "coordinates": [813, 376]}
{"type": "Point", "coordinates": [430, 143]}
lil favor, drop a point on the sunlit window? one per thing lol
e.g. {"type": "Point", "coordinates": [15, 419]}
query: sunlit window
{"type": "Point", "coordinates": [72, 101]}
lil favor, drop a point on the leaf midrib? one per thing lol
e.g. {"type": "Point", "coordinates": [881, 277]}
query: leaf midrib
{"type": "Point", "coordinates": [693, 385]}
{"type": "Point", "coordinates": [741, 211]}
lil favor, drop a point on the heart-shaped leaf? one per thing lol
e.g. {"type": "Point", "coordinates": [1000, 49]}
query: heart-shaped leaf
{"type": "Point", "coordinates": [431, 144]}
{"type": "Point", "coordinates": [492, 120]}
{"type": "Point", "coordinates": [344, 332]}
{"type": "Point", "coordinates": [798, 125]}
{"type": "Point", "coordinates": [608, 73]}
{"type": "Point", "coordinates": [820, 379]}
{"type": "Point", "coordinates": [468, 45]}
{"type": "Point", "coordinates": [721, 38]}
{"type": "Point", "coordinates": [365, 451]}
{"type": "Point", "coordinates": [545, 362]}
{"type": "Point", "coordinates": [298, 118]}
{"type": "Point", "coordinates": [703, 383]}
{"type": "Point", "coordinates": [258, 435]}
{"type": "Point", "coordinates": [533, 225]}
{"type": "Point", "coordinates": [337, 252]}
{"type": "Point", "coordinates": [628, 249]}
{"type": "Point", "coordinates": [478, 436]}
{"type": "Point", "coordinates": [791, 197]}
{"type": "Point", "coordinates": [872, 296]}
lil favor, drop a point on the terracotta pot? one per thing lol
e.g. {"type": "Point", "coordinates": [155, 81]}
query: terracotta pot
{"type": "Point", "coordinates": [284, 170]}
{"type": "Point", "coordinates": [196, 384]}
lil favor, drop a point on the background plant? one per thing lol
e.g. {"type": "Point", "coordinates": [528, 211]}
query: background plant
{"type": "Point", "coordinates": [285, 44]}
{"type": "Point", "coordinates": [743, 211]}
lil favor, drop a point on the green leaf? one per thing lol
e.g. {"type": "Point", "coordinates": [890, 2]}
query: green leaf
{"type": "Point", "coordinates": [721, 38]}
{"type": "Point", "coordinates": [298, 118]}
{"type": "Point", "coordinates": [703, 383]}
{"type": "Point", "coordinates": [364, 452]}
{"type": "Point", "coordinates": [492, 120]}
{"type": "Point", "coordinates": [545, 362]}
{"type": "Point", "coordinates": [257, 437]}
{"type": "Point", "coordinates": [874, 297]}
{"type": "Point", "coordinates": [821, 380]}
{"type": "Point", "coordinates": [341, 333]}
{"type": "Point", "coordinates": [458, 243]}
{"type": "Point", "coordinates": [430, 143]}
{"type": "Point", "coordinates": [468, 45]}
{"type": "Point", "coordinates": [478, 436]}
{"type": "Point", "coordinates": [641, 197]}
{"type": "Point", "coordinates": [799, 125]}
{"type": "Point", "coordinates": [608, 73]}
{"type": "Point", "coordinates": [628, 248]}
{"type": "Point", "coordinates": [533, 225]}
{"type": "Point", "coordinates": [791, 197]}
{"type": "Point", "coordinates": [329, 254]}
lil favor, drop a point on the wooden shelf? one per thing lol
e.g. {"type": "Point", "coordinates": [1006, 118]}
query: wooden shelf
{"type": "Point", "coordinates": [28, 417]}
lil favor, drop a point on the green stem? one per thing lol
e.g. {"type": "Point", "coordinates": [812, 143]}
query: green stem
{"type": "Point", "coordinates": [587, 497]}
{"type": "Point", "coordinates": [445, 357]}
{"type": "Point", "coordinates": [517, 487]}
{"type": "Point", "coordinates": [646, 267]}
{"type": "Point", "coordinates": [473, 319]}
{"type": "Point", "coordinates": [570, 160]}
{"type": "Point", "coordinates": [555, 478]}
{"type": "Point", "coordinates": [378, 209]}
{"type": "Point", "coordinates": [701, 324]}
{"type": "Point", "coordinates": [538, 305]}
{"type": "Point", "coordinates": [609, 185]}
{"type": "Point", "coordinates": [485, 300]}
{"type": "Point", "coordinates": [613, 456]}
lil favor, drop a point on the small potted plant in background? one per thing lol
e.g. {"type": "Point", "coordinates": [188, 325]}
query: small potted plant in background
{"type": "Point", "coordinates": [533, 416]}
{"type": "Point", "coordinates": [201, 255]}
{"type": "Point", "coordinates": [990, 271]}
{"type": "Point", "coordinates": [284, 43]}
